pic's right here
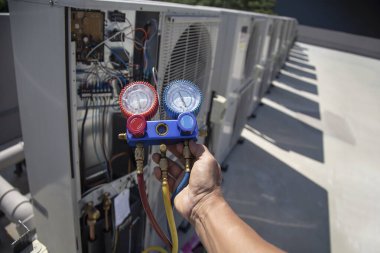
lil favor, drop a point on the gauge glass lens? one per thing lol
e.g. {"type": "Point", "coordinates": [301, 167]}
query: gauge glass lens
{"type": "Point", "coordinates": [138, 99]}
{"type": "Point", "coordinates": [183, 98]}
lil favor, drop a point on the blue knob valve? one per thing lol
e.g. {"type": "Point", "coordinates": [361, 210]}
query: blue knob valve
{"type": "Point", "coordinates": [186, 123]}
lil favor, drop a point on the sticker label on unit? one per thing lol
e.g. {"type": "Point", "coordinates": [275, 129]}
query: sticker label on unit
{"type": "Point", "coordinates": [122, 208]}
{"type": "Point", "coordinates": [240, 53]}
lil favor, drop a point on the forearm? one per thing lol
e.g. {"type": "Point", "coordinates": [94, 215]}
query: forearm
{"type": "Point", "coordinates": [221, 230]}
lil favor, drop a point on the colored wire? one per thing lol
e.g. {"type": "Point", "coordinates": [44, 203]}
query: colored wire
{"type": "Point", "coordinates": [182, 184]}
{"type": "Point", "coordinates": [104, 41]}
{"type": "Point", "coordinates": [154, 248]}
{"type": "Point", "coordinates": [170, 215]}
{"type": "Point", "coordinates": [148, 211]}
{"type": "Point", "coordinates": [117, 56]}
{"type": "Point", "coordinates": [137, 42]}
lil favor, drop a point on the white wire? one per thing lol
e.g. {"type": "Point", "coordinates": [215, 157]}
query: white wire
{"type": "Point", "coordinates": [104, 41]}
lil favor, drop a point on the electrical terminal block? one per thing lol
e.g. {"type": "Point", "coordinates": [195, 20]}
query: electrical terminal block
{"type": "Point", "coordinates": [93, 91]}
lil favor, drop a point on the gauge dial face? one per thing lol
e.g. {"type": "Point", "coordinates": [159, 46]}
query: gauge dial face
{"type": "Point", "coordinates": [138, 98]}
{"type": "Point", "coordinates": [182, 96]}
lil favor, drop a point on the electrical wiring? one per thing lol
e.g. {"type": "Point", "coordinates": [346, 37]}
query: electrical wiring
{"type": "Point", "coordinates": [116, 55]}
{"type": "Point", "coordinates": [104, 41]}
{"type": "Point", "coordinates": [81, 147]}
{"type": "Point", "coordinates": [117, 34]}
{"type": "Point", "coordinates": [155, 79]}
{"type": "Point", "coordinates": [148, 211]}
{"type": "Point", "coordinates": [94, 133]}
{"type": "Point", "coordinates": [115, 241]}
{"type": "Point", "coordinates": [170, 215]}
{"type": "Point", "coordinates": [138, 43]}
{"type": "Point", "coordinates": [182, 184]}
{"type": "Point", "coordinates": [122, 46]}
{"type": "Point", "coordinates": [111, 74]}
{"type": "Point", "coordinates": [154, 248]}
{"type": "Point", "coordinates": [103, 130]}
{"type": "Point", "coordinates": [147, 46]}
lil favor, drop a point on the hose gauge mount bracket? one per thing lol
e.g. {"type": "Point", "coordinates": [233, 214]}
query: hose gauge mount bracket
{"type": "Point", "coordinates": [157, 132]}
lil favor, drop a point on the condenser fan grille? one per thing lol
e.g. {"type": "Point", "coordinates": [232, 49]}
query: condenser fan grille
{"type": "Point", "coordinates": [186, 53]}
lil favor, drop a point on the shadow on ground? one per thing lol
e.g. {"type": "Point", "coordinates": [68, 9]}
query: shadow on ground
{"type": "Point", "coordinates": [283, 206]}
{"type": "Point", "coordinates": [297, 83]}
{"type": "Point", "coordinates": [288, 133]}
{"type": "Point", "coordinates": [300, 72]}
{"type": "Point", "coordinates": [299, 56]}
{"type": "Point", "coordinates": [300, 64]}
{"type": "Point", "coordinates": [294, 102]}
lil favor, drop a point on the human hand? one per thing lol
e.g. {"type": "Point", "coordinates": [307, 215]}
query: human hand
{"type": "Point", "coordinates": [204, 183]}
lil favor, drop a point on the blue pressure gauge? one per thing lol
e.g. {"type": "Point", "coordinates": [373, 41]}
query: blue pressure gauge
{"type": "Point", "coordinates": [181, 96]}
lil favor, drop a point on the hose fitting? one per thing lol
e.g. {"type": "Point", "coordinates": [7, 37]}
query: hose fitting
{"type": "Point", "coordinates": [187, 155]}
{"type": "Point", "coordinates": [93, 215]}
{"type": "Point", "coordinates": [106, 207]}
{"type": "Point", "coordinates": [139, 157]}
{"type": "Point", "coordinates": [164, 163]}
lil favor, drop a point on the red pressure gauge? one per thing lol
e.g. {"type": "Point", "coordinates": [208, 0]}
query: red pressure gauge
{"type": "Point", "coordinates": [138, 98]}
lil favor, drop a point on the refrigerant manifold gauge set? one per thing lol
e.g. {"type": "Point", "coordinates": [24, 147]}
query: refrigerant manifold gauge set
{"type": "Point", "coordinates": [139, 103]}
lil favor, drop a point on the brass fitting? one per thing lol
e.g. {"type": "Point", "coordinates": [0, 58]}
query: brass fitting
{"type": "Point", "coordinates": [106, 207]}
{"type": "Point", "coordinates": [202, 132]}
{"type": "Point", "coordinates": [187, 155]}
{"type": "Point", "coordinates": [122, 136]}
{"type": "Point", "coordinates": [93, 215]}
{"type": "Point", "coordinates": [139, 157]}
{"type": "Point", "coordinates": [163, 163]}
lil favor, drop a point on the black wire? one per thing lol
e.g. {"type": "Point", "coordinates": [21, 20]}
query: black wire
{"type": "Point", "coordinates": [81, 147]}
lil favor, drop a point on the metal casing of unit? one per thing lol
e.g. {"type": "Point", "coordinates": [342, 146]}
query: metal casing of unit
{"type": "Point", "coordinates": [238, 53]}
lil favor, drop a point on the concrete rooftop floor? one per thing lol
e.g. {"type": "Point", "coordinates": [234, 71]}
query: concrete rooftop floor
{"type": "Point", "coordinates": [307, 176]}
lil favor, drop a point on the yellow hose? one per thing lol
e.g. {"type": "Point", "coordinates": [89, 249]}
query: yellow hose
{"type": "Point", "coordinates": [169, 215]}
{"type": "Point", "coordinates": [155, 248]}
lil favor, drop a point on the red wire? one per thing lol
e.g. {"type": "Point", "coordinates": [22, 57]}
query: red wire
{"type": "Point", "coordinates": [145, 203]}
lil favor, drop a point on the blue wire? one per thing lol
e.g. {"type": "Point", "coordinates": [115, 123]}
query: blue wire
{"type": "Point", "coordinates": [182, 184]}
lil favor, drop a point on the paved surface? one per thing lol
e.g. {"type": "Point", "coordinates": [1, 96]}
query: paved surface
{"type": "Point", "coordinates": [307, 176]}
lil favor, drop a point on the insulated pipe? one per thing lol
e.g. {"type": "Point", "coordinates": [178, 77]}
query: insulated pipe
{"type": "Point", "coordinates": [12, 155]}
{"type": "Point", "coordinates": [15, 206]}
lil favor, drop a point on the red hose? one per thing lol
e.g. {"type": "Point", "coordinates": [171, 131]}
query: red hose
{"type": "Point", "coordinates": [148, 211]}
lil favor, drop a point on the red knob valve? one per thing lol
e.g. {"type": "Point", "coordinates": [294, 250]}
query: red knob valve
{"type": "Point", "coordinates": [138, 98]}
{"type": "Point", "coordinates": [136, 125]}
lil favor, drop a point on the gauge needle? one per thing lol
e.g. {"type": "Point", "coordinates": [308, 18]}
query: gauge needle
{"type": "Point", "coordinates": [183, 101]}
{"type": "Point", "coordinates": [139, 101]}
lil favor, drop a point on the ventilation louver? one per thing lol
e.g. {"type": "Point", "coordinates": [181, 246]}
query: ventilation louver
{"type": "Point", "coordinates": [186, 51]}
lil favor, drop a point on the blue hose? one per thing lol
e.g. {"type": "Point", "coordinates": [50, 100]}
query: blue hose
{"type": "Point", "coordinates": [182, 184]}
